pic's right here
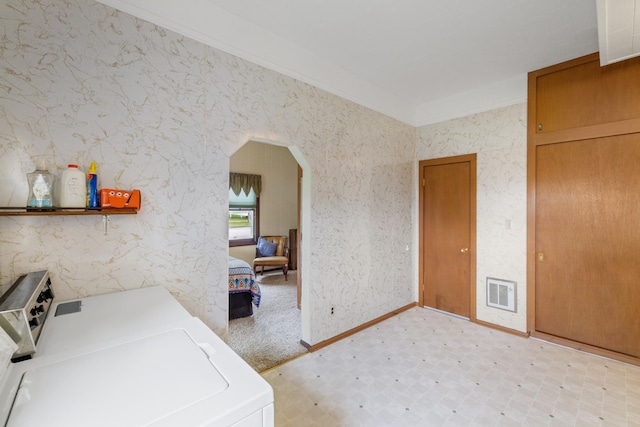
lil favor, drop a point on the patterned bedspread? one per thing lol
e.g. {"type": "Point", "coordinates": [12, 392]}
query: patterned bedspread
{"type": "Point", "coordinates": [242, 279]}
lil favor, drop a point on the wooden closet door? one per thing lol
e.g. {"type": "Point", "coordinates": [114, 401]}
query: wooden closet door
{"type": "Point", "coordinates": [588, 242]}
{"type": "Point", "coordinates": [447, 212]}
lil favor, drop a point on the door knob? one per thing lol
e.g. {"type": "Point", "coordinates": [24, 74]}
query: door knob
{"type": "Point", "coordinates": [464, 250]}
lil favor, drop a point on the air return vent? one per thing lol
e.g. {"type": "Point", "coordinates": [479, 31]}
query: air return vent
{"type": "Point", "coordinates": [501, 294]}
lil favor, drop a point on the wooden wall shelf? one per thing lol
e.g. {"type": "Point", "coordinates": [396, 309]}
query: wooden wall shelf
{"type": "Point", "coordinates": [105, 213]}
{"type": "Point", "coordinates": [20, 211]}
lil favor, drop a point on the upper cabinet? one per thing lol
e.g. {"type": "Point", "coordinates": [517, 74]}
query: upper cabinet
{"type": "Point", "coordinates": [582, 94]}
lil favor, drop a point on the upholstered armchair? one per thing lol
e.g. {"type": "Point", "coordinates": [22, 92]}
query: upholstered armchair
{"type": "Point", "coordinates": [272, 252]}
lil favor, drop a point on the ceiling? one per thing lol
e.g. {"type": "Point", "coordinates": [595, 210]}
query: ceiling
{"type": "Point", "coordinates": [419, 61]}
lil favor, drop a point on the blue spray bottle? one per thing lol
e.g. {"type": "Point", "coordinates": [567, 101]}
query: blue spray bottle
{"type": "Point", "coordinates": [93, 201]}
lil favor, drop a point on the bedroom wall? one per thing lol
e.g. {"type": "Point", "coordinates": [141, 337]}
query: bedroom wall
{"type": "Point", "coordinates": [499, 137]}
{"type": "Point", "coordinates": [278, 200]}
{"type": "Point", "coordinates": [80, 81]}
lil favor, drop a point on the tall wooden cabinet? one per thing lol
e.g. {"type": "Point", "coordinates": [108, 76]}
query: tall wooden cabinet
{"type": "Point", "coordinates": [584, 206]}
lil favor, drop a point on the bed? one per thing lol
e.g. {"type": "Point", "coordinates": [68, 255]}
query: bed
{"type": "Point", "coordinates": [244, 291]}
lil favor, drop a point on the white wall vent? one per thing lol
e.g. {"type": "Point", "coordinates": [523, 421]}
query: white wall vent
{"type": "Point", "coordinates": [501, 294]}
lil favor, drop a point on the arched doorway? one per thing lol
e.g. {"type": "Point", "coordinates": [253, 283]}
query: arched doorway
{"type": "Point", "coordinates": [283, 169]}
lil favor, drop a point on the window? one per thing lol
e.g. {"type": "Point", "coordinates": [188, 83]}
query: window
{"type": "Point", "coordinates": [244, 210]}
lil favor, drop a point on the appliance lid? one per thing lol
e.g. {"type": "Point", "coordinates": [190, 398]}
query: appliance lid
{"type": "Point", "coordinates": [106, 318]}
{"type": "Point", "coordinates": [132, 384]}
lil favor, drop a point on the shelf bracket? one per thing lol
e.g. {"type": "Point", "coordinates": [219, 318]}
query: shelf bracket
{"type": "Point", "coordinates": [106, 222]}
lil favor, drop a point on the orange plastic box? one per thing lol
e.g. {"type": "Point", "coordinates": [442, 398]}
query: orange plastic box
{"type": "Point", "coordinates": [110, 198]}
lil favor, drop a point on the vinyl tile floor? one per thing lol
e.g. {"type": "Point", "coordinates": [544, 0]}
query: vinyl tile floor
{"type": "Point", "coordinates": [425, 368]}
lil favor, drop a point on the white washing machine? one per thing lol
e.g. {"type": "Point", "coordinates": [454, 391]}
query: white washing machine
{"type": "Point", "coordinates": [108, 318]}
{"type": "Point", "coordinates": [107, 365]}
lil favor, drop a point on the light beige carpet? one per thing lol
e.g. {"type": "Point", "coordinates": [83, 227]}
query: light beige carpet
{"type": "Point", "coordinates": [272, 335]}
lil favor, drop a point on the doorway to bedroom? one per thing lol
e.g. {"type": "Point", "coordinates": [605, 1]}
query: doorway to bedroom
{"type": "Point", "coordinates": [269, 333]}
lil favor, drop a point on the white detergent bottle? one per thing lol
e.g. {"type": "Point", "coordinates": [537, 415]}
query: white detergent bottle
{"type": "Point", "coordinates": [73, 188]}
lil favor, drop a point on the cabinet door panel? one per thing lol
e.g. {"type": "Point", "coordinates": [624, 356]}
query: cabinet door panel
{"type": "Point", "coordinates": [587, 94]}
{"type": "Point", "coordinates": [588, 235]}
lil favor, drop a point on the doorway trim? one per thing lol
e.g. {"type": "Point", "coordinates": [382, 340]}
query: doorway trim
{"type": "Point", "coordinates": [304, 231]}
{"type": "Point", "coordinates": [472, 160]}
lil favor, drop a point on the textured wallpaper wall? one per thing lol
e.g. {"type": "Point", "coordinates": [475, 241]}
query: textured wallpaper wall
{"type": "Point", "coordinates": [499, 137]}
{"type": "Point", "coordinates": [80, 81]}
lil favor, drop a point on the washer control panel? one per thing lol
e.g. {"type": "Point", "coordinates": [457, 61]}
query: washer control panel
{"type": "Point", "coordinates": [23, 311]}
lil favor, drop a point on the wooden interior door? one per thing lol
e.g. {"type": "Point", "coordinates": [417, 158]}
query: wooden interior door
{"type": "Point", "coordinates": [447, 234]}
{"type": "Point", "coordinates": [587, 242]}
